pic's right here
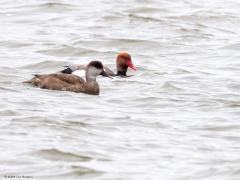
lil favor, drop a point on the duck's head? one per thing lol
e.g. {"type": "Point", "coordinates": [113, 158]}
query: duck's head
{"type": "Point", "coordinates": [94, 69]}
{"type": "Point", "coordinates": [124, 61]}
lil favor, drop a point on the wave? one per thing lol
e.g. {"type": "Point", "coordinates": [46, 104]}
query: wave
{"type": "Point", "coordinates": [55, 154]}
{"type": "Point", "coordinates": [68, 50]}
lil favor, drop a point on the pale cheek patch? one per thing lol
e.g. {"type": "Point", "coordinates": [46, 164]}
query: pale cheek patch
{"type": "Point", "coordinates": [93, 72]}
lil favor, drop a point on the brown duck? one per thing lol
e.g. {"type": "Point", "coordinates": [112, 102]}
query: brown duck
{"type": "Point", "coordinates": [70, 82]}
{"type": "Point", "coordinates": [123, 61]}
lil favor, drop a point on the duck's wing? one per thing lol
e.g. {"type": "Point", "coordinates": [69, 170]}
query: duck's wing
{"type": "Point", "coordinates": [58, 81]}
{"type": "Point", "coordinates": [72, 68]}
{"type": "Point", "coordinates": [68, 78]}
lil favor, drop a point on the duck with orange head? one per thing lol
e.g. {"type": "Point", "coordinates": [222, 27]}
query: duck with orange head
{"type": "Point", "coordinates": [123, 62]}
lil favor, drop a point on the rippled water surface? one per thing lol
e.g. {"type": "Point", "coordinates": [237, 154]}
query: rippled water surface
{"type": "Point", "coordinates": [177, 118]}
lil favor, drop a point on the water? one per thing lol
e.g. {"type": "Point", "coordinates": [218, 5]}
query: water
{"type": "Point", "coordinates": [177, 118]}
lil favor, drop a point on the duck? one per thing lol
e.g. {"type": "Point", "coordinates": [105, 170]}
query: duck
{"type": "Point", "coordinates": [71, 82]}
{"type": "Point", "coordinates": [123, 61]}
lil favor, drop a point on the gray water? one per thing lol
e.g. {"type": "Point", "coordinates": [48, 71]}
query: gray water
{"type": "Point", "coordinates": [177, 118]}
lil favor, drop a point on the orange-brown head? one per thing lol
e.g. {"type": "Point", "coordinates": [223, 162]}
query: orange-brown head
{"type": "Point", "coordinates": [124, 61]}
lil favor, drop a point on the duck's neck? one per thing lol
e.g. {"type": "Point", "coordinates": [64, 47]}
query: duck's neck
{"type": "Point", "coordinates": [121, 69]}
{"type": "Point", "coordinates": [92, 86]}
{"type": "Point", "coordinates": [122, 73]}
{"type": "Point", "coordinates": [91, 79]}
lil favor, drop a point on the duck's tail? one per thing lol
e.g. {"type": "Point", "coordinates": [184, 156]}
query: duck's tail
{"type": "Point", "coordinates": [33, 80]}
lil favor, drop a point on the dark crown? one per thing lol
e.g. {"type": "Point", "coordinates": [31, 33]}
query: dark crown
{"type": "Point", "coordinates": [96, 64]}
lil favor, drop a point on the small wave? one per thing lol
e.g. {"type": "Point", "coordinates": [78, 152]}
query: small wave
{"type": "Point", "coordinates": [8, 113]}
{"type": "Point", "coordinates": [144, 18]}
{"type": "Point", "coordinates": [5, 89]}
{"type": "Point", "coordinates": [201, 15]}
{"type": "Point", "coordinates": [233, 104]}
{"type": "Point", "coordinates": [221, 128]}
{"type": "Point", "coordinates": [67, 50]}
{"type": "Point", "coordinates": [55, 154]}
{"type": "Point", "coordinates": [80, 170]}
{"type": "Point", "coordinates": [105, 47]}
{"type": "Point", "coordinates": [182, 71]}
{"type": "Point", "coordinates": [144, 10]}
{"type": "Point", "coordinates": [55, 6]}
{"type": "Point", "coordinates": [131, 40]}
{"type": "Point", "coordinates": [170, 87]}
{"type": "Point", "coordinates": [45, 65]}
{"type": "Point", "coordinates": [14, 44]}
{"type": "Point", "coordinates": [232, 46]}
{"type": "Point", "coordinates": [77, 171]}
